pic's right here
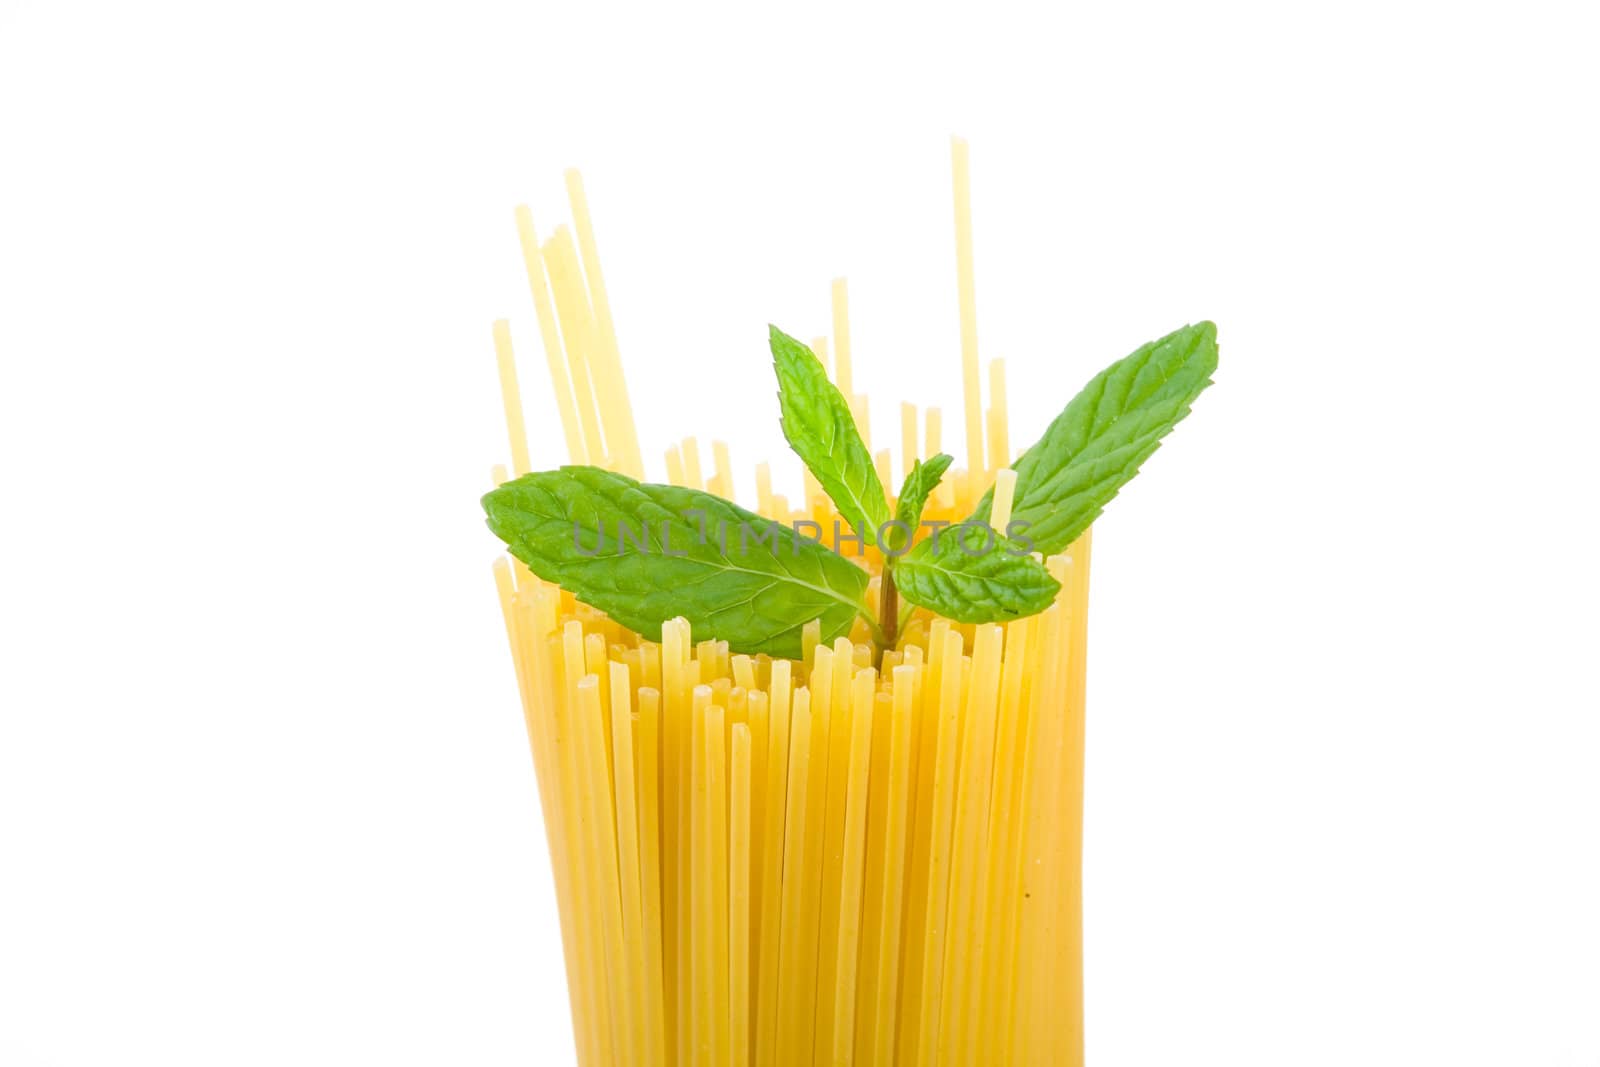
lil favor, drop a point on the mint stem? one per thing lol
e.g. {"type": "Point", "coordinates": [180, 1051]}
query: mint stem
{"type": "Point", "coordinates": [889, 609]}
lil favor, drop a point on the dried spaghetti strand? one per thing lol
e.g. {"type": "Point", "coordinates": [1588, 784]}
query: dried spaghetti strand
{"type": "Point", "coordinates": [511, 395]}
{"type": "Point", "coordinates": [676, 788]}
{"type": "Point", "coordinates": [924, 757]}
{"type": "Point", "coordinates": [1034, 1006]}
{"type": "Point", "coordinates": [1005, 489]}
{"type": "Point", "coordinates": [655, 1046]}
{"type": "Point", "coordinates": [840, 732]}
{"type": "Point", "coordinates": [862, 690]}
{"type": "Point", "coordinates": [627, 839]}
{"type": "Point", "coordinates": [908, 438]}
{"type": "Point", "coordinates": [1067, 1034]}
{"type": "Point", "coordinates": [739, 812]}
{"type": "Point", "coordinates": [937, 889]}
{"type": "Point", "coordinates": [872, 876]}
{"type": "Point", "coordinates": [603, 858]}
{"type": "Point", "coordinates": [933, 427]}
{"type": "Point", "coordinates": [841, 338]}
{"type": "Point", "coordinates": [577, 323]}
{"type": "Point", "coordinates": [990, 1002]}
{"type": "Point", "coordinates": [722, 466]}
{"type": "Point", "coordinates": [691, 464]}
{"type": "Point", "coordinates": [716, 885]}
{"type": "Point", "coordinates": [971, 383]}
{"type": "Point", "coordinates": [701, 900]}
{"type": "Point", "coordinates": [792, 1017]}
{"type": "Point", "coordinates": [611, 388]}
{"type": "Point", "coordinates": [760, 722]}
{"type": "Point", "coordinates": [822, 724]}
{"type": "Point", "coordinates": [560, 383]}
{"type": "Point", "coordinates": [896, 842]}
{"type": "Point", "coordinates": [588, 899]}
{"type": "Point", "coordinates": [775, 841]}
{"type": "Point", "coordinates": [962, 963]}
{"type": "Point", "coordinates": [999, 430]}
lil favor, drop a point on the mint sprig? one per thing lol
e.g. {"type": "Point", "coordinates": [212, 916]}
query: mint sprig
{"type": "Point", "coordinates": [645, 553]}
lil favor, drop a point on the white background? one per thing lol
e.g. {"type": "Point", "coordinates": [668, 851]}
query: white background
{"type": "Point", "coordinates": [264, 791]}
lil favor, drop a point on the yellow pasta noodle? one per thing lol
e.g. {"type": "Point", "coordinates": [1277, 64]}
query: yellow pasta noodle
{"type": "Point", "coordinates": [560, 381]}
{"type": "Point", "coordinates": [852, 860]}
{"type": "Point", "coordinates": [739, 811]}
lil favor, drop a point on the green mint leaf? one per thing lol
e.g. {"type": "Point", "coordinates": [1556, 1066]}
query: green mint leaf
{"type": "Point", "coordinates": [914, 493]}
{"type": "Point", "coordinates": [819, 427]}
{"type": "Point", "coordinates": [950, 575]}
{"type": "Point", "coordinates": [1096, 445]}
{"type": "Point", "coordinates": [735, 575]}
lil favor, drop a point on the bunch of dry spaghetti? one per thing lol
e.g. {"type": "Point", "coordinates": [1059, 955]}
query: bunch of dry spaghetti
{"type": "Point", "coordinates": [780, 862]}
